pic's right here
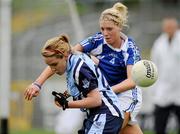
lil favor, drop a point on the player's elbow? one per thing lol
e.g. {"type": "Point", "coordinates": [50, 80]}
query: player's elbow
{"type": "Point", "coordinates": [98, 101]}
{"type": "Point", "coordinates": [95, 97]}
{"type": "Point", "coordinates": [133, 85]}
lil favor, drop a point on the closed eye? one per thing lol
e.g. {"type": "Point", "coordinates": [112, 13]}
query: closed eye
{"type": "Point", "coordinates": [109, 29]}
{"type": "Point", "coordinates": [53, 64]}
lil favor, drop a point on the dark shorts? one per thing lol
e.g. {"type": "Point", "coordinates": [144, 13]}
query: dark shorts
{"type": "Point", "coordinates": [101, 124]}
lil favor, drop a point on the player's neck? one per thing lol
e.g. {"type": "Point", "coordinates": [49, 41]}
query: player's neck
{"type": "Point", "coordinates": [118, 43]}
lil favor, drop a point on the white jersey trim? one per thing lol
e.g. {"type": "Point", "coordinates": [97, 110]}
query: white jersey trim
{"type": "Point", "coordinates": [110, 107]}
{"type": "Point", "coordinates": [77, 72]}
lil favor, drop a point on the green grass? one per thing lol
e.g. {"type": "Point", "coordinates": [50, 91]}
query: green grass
{"type": "Point", "coordinates": [40, 131]}
{"type": "Point", "coordinates": [32, 131]}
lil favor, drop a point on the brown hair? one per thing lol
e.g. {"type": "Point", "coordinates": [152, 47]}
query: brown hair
{"type": "Point", "coordinates": [56, 46]}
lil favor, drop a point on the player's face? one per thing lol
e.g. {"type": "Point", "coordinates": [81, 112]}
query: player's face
{"type": "Point", "coordinates": [110, 31]}
{"type": "Point", "coordinates": [58, 65]}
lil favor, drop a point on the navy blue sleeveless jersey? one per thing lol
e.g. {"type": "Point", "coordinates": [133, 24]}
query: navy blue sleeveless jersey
{"type": "Point", "coordinates": [83, 76]}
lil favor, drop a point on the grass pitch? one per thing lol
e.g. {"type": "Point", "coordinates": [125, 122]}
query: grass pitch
{"type": "Point", "coordinates": [40, 131]}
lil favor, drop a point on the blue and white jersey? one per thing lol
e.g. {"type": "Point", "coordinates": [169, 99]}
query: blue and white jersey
{"type": "Point", "coordinates": [83, 76]}
{"type": "Point", "coordinates": [113, 64]}
{"type": "Point", "coordinates": [112, 61]}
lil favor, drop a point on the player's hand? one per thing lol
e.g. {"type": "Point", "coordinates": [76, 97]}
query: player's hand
{"type": "Point", "coordinates": [60, 100]}
{"type": "Point", "coordinates": [66, 94]}
{"type": "Point", "coordinates": [31, 91]}
{"type": "Point", "coordinates": [96, 60]}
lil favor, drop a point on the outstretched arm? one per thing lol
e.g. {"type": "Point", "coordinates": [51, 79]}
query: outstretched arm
{"type": "Point", "coordinates": [33, 89]}
{"type": "Point", "coordinates": [47, 73]}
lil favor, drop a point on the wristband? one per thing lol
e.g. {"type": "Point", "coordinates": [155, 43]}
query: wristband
{"type": "Point", "coordinates": [37, 85]}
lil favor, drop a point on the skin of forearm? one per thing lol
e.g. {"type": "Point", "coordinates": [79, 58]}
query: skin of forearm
{"type": "Point", "coordinates": [93, 100]}
{"type": "Point", "coordinates": [84, 103]}
{"type": "Point", "coordinates": [47, 73]}
{"type": "Point", "coordinates": [124, 86]}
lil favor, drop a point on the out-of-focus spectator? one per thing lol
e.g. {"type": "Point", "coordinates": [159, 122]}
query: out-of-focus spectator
{"type": "Point", "coordinates": [166, 55]}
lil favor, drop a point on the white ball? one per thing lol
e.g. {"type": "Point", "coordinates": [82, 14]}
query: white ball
{"type": "Point", "coordinates": [144, 73]}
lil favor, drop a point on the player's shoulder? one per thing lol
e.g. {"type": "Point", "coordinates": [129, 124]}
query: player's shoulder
{"type": "Point", "coordinates": [131, 43]}
{"type": "Point", "coordinates": [131, 40]}
{"type": "Point", "coordinates": [93, 39]}
{"type": "Point", "coordinates": [74, 58]}
{"type": "Point", "coordinates": [98, 36]}
{"type": "Point", "coordinates": [77, 56]}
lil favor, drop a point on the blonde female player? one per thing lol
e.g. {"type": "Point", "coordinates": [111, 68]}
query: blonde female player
{"type": "Point", "coordinates": [115, 54]}
{"type": "Point", "coordinates": [87, 86]}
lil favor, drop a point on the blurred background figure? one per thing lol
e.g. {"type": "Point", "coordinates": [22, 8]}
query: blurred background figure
{"type": "Point", "coordinates": [166, 55]}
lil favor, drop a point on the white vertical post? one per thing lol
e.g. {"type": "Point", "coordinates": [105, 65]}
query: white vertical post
{"type": "Point", "coordinates": [5, 63]}
{"type": "Point", "coordinates": [75, 20]}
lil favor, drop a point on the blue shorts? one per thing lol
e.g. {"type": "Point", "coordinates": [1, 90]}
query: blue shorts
{"type": "Point", "coordinates": [101, 124]}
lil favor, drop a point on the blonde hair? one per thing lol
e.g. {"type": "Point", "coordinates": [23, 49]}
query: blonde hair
{"type": "Point", "coordinates": [117, 14]}
{"type": "Point", "coordinates": [56, 46]}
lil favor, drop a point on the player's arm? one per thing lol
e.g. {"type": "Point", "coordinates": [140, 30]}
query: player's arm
{"type": "Point", "coordinates": [33, 89]}
{"type": "Point", "coordinates": [88, 84]}
{"type": "Point", "coordinates": [79, 47]}
{"type": "Point", "coordinates": [126, 84]}
{"type": "Point", "coordinates": [93, 99]}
